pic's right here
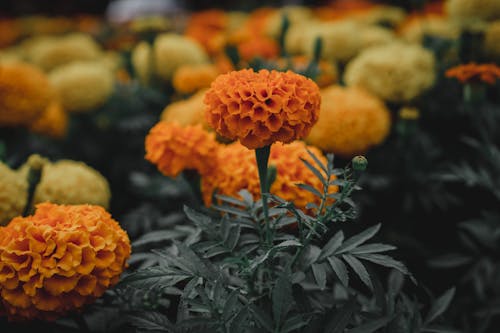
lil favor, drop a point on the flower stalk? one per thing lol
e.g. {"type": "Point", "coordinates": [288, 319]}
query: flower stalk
{"type": "Point", "coordinates": [262, 158]}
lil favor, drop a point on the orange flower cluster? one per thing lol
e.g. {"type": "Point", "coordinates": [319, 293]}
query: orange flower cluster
{"type": "Point", "coordinates": [263, 107]}
{"type": "Point", "coordinates": [59, 259]}
{"type": "Point", "coordinates": [236, 169]}
{"type": "Point", "coordinates": [53, 122]}
{"type": "Point", "coordinates": [207, 27]}
{"type": "Point", "coordinates": [262, 47]}
{"type": "Point", "coordinates": [174, 148]}
{"type": "Point", "coordinates": [473, 72]}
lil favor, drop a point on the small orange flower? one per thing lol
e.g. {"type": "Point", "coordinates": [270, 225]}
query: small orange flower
{"type": "Point", "coordinates": [236, 170]}
{"type": "Point", "coordinates": [174, 148]}
{"type": "Point", "coordinates": [53, 122]}
{"type": "Point", "coordinates": [191, 78]}
{"type": "Point", "coordinates": [59, 259]}
{"type": "Point", "coordinates": [263, 107]}
{"type": "Point", "coordinates": [262, 47]}
{"type": "Point", "coordinates": [473, 72]}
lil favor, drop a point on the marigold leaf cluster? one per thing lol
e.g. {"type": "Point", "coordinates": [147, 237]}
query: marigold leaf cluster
{"type": "Point", "coordinates": [260, 108]}
{"type": "Point", "coordinates": [59, 259]}
{"type": "Point", "coordinates": [174, 148]}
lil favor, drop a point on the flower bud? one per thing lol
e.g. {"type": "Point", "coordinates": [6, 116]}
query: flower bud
{"type": "Point", "coordinates": [359, 163]}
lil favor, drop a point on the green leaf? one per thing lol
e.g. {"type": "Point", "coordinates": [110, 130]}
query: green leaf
{"type": "Point", "coordinates": [282, 299]}
{"type": "Point", "coordinates": [201, 220]}
{"type": "Point", "coordinates": [294, 323]}
{"type": "Point", "coordinates": [288, 243]}
{"type": "Point", "coordinates": [440, 305]}
{"type": "Point", "coordinates": [450, 260]}
{"type": "Point", "coordinates": [340, 270]}
{"type": "Point", "coordinates": [262, 318]}
{"type": "Point", "coordinates": [230, 305]}
{"type": "Point", "coordinates": [317, 161]}
{"type": "Point", "coordinates": [372, 248]}
{"type": "Point", "coordinates": [158, 236]}
{"type": "Point", "coordinates": [341, 318]}
{"type": "Point", "coordinates": [333, 244]}
{"type": "Point", "coordinates": [151, 321]}
{"type": "Point", "coordinates": [155, 276]}
{"type": "Point", "coordinates": [384, 260]}
{"type": "Point", "coordinates": [314, 170]}
{"type": "Point", "coordinates": [309, 188]}
{"type": "Point", "coordinates": [436, 329]}
{"type": "Point", "coordinates": [371, 326]}
{"type": "Point", "coordinates": [358, 239]}
{"type": "Point", "coordinates": [233, 236]}
{"type": "Point", "coordinates": [359, 269]}
{"type": "Point", "coordinates": [319, 275]}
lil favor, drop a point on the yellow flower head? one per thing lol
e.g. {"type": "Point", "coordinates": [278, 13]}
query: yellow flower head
{"type": "Point", "coordinates": [171, 51]}
{"type": "Point", "coordinates": [492, 40]}
{"type": "Point", "coordinates": [71, 182]}
{"type": "Point", "coordinates": [236, 170]}
{"type": "Point", "coordinates": [52, 122]}
{"type": "Point", "coordinates": [473, 9]}
{"type": "Point", "coordinates": [53, 52]}
{"type": "Point", "coordinates": [260, 108]}
{"type": "Point", "coordinates": [190, 111]}
{"type": "Point", "coordinates": [191, 78]}
{"type": "Point", "coordinates": [395, 72]}
{"type": "Point", "coordinates": [142, 62]}
{"type": "Point", "coordinates": [174, 148]}
{"type": "Point", "coordinates": [83, 86]}
{"type": "Point", "coordinates": [59, 259]}
{"type": "Point", "coordinates": [25, 92]}
{"type": "Point", "coordinates": [351, 121]}
{"type": "Point", "coordinates": [13, 194]}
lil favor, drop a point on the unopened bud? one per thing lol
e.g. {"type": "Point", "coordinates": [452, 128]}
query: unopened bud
{"type": "Point", "coordinates": [359, 163]}
{"type": "Point", "coordinates": [36, 162]}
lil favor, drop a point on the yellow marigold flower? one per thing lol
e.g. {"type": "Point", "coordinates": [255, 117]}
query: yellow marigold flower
{"type": "Point", "coordinates": [263, 107]}
{"type": "Point", "coordinates": [172, 51]}
{"type": "Point", "coordinates": [13, 194]}
{"type": "Point", "coordinates": [150, 23]}
{"type": "Point", "coordinates": [174, 148]}
{"type": "Point", "coordinates": [236, 170]}
{"type": "Point", "coordinates": [71, 182]}
{"type": "Point", "coordinates": [189, 111]}
{"type": "Point", "coordinates": [53, 122]}
{"type": "Point", "coordinates": [56, 51]}
{"type": "Point", "coordinates": [476, 9]}
{"type": "Point", "coordinates": [295, 14]}
{"type": "Point", "coordinates": [142, 62]}
{"type": "Point", "coordinates": [492, 40]}
{"type": "Point", "coordinates": [488, 73]}
{"type": "Point", "coordinates": [59, 259]}
{"type": "Point", "coordinates": [83, 86]}
{"type": "Point", "coordinates": [395, 72]}
{"type": "Point", "coordinates": [191, 78]}
{"type": "Point", "coordinates": [351, 121]}
{"type": "Point", "coordinates": [25, 93]}
{"type": "Point", "coordinates": [417, 26]}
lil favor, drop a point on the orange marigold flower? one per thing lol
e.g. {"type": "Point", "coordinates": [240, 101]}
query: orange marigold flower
{"type": "Point", "coordinates": [25, 92]}
{"type": "Point", "coordinates": [191, 78]}
{"type": "Point", "coordinates": [53, 122]}
{"type": "Point", "coordinates": [236, 169]}
{"type": "Point", "coordinates": [59, 259]}
{"type": "Point", "coordinates": [473, 72]}
{"type": "Point", "coordinates": [263, 107]}
{"type": "Point", "coordinates": [262, 47]}
{"type": "Point", "coordinates": [174, 148]}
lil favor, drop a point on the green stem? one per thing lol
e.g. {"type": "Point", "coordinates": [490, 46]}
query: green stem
{"type": "Point", "coordinates": [262, 158]}
{"type": "Point", "coordinates": [34, 176]}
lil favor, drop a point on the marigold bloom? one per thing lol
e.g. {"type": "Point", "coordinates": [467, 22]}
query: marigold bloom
{"type": "Point", "coordinates": [25, 92]}
{"type": "Point", "coordinates": [13, 193]}
{"type": "Point", "coordinates": [236, 169]}
{"type": "Point", "coordinates": [351, 121]}
{"type": "Point", "coordinates": [59, 259]}
{"type": "Point", "coordinates": [174, 148]}
{"type": "Point", "coordinates": [395, 72]}
{"type": "Point", "coordinates": [190, 78]}
{"type": "Point", "coordinates": [208, 28]}
{"type": "Point", "coordinates": [492, 40]}
{"type": "Point", "coordinates": [52, 52]}
{"type": "Point", "coordinates": [473, 72]}
{"type": "Point", "coordinates": [53, 122]}
{"type": "Point", "coordinates": [142, 62]}
{"type": "Point", "coordinates": [262, 47]}
{"type": "Point", "coordinates": [263, 107]}
{"type": "Point", "coordinates": [416, 26]}
{"type": "Point", "coordinates": [71, 182]}
{"type": "Point", "coordinates": [477, 9]}
{"type": "Point", "coordinates": [83, 86]}
{"type": "Point", "coordinates": [190, 111]}
{"type": "Point", "coordinates": [170, 51]}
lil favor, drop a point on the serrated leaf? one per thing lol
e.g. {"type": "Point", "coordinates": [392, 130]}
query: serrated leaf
{"type": "Point", "coordinates": [233, 236]}
{"type": "Point", "coordinates": [372, 326]}
{"type": "Point", "coordinates": [332, 245]}
{"type": "Point", "coordinates": [155, 276]}
{"type": "Point", "coordinates": [201, 220]}
{"type": "Point", "coordinates": [151, 321]}
{"type": "Point", "coordinates": [359, 269]}
{"type": "Point", "coordinates": [317, 161]}
{"type": "Point", "coordinates": [309, 188]}
{"type": "Point", "coordinates": [372, 248]}
{"type": "Point", "coordinates": [384, 260]}
{"type": "Point", "coordinates": [358, 239]}
{"type": "Point", "coordinates": [282, 299]}
{"type": "Point", "coordinates": [233, 210]}
{"type": "Point", "coordinates": [319, 274]}
{"type": "Point", "coordinates": [294, 323]}
{"type": "Point", "coordinates": [340, 270]}
{"type": "Point", "coordinates": [314, 170]}
{"type": "Point", "coordinates": [440, 306]}
{"type": "Point", "coordinates": [158, 236]}
{"type": "Point", "coordinates": [341, 319]}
